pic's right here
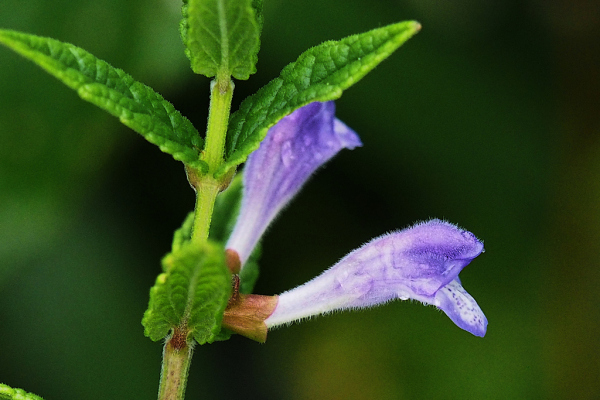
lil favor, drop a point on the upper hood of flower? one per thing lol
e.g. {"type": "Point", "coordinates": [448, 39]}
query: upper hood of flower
{"type": "Point", "coordinates": [292, 150]}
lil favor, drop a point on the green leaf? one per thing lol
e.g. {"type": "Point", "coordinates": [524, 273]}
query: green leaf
{"type": "Point", "coordinates": [222, 37]}
{"type": "Point", "coordinates": [321, 73]}
{"type": "Point", "coordinates": [184, 234]}
{"type": "Point", "coordinates": [8, 393]}
{"type": "Point", "coordinates": [257, 5]}
{"type": "Point", "coordinates": [223, 221]}
{"type": "Point", "coordinates": [223, 335]}
{"type": "Point", "coordinates": [192, 294]}
{"type": "Point", "coordinates": [135, 104]}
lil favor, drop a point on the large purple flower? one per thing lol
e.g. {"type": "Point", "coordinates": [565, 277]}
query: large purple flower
{"type": "Point", "coordinates": [292, 150]}
{"type": "Point", "coordinates": [420, 263]}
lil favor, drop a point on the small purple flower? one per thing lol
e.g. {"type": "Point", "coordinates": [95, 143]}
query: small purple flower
{"type": "Point", "coordinates": [421, 263]}
{"type": "Point", "coordinates": [292, 150]}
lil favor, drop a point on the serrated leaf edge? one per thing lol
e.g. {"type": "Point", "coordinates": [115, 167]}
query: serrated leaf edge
{"type": "Point", "coordinates": [7, 392]}
{"type": "Point", "coordinates": [315, 92]}
{"type": "Point", "coordinates": [204, 62]}
{"type": "Point", "coordinates": [156, 327]}
{"type": "Point", "coordinates": [190, 155]}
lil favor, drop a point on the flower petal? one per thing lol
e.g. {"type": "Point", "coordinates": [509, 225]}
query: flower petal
{"type": "Point", "coordinates": [461, 308]}
{"type": "Point", "coordinates": [421, 263]}
{"type": "Point", "coordinates": [292, 150]}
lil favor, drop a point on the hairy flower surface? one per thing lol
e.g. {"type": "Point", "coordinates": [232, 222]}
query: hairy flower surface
{"type": "Point", "coordinates": [293, 149]}
{"type": "Point", "coordinates": [421, 263]}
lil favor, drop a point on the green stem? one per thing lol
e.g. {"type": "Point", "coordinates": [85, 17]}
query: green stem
{"type": "Point", "coordinates": [207, 187]}
{"type": "Point", "coordinates": [177, 354]}
{"type": "Point", "coordinates": [221, 94]}
{"type": "Point", "coordinates": [177, 357]}
{"type": "Point", "coordinates": [206, 193]}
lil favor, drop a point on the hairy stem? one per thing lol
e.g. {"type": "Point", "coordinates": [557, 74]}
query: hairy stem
{"type": "Point", "coordinates": [177, 357]}
{"type": "Point", "coordinates": [177, 354]}
{"type": "Point", "coordinates": [206, 193]}
{"type": "Point", "coordinates": [207, 187]}
{"type": "Point", "coordinates": [221, 94]}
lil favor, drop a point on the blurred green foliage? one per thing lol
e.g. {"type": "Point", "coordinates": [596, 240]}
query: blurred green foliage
{"type": "Point", "coordinates": [488, 118]}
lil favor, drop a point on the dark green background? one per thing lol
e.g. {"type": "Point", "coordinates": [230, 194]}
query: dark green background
{"type": "Point", "coordinates": [488, 118]}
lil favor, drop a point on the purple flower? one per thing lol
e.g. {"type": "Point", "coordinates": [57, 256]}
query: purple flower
{"type": "Point", "coordinates": [292, 150]}
{"type": "Point", "coordinates": [421, 263]}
